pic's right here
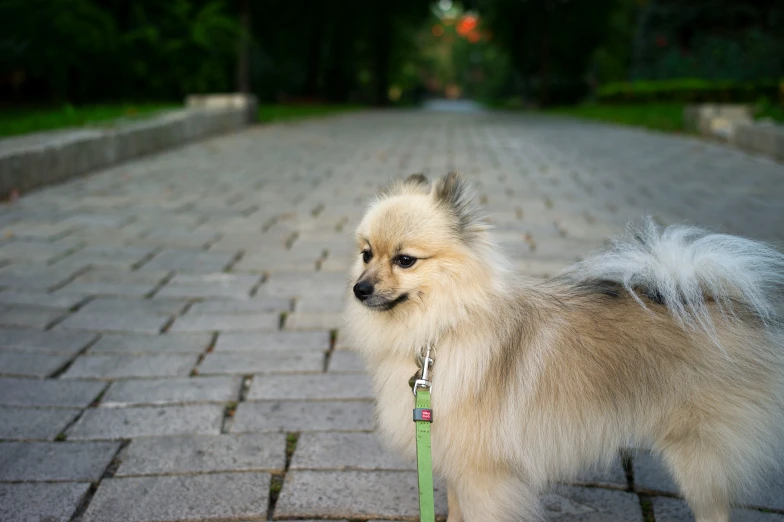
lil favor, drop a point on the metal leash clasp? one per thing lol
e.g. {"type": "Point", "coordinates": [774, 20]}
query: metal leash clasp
{"type": "Point", "coordinates": [426, 361]}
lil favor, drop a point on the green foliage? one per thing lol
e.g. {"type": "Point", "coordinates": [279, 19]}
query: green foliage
{"type": "Point", "coordinates": [751, 55]}
{"type": "Point", "coordinates": [25, 120]}
{"type": "Point", "coordinates": [765, 109]}
{"type": "Point", "coordinates": [91, 50]}
{"type": "Point", "coordinates": [550, 42]}
{"type": "Point", "coordinates": [611, 60]}
{"type": "Point", "coordinates": [657, 116]}
{"type": "Point", "coordinates": [687, 90]}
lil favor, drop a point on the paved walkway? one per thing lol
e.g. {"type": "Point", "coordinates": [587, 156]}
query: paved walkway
{"type": "Point", "coordinates": [170, 345]}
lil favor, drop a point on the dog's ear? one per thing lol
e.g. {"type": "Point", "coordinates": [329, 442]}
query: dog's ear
{"type": "Point", "coordinates": [417, 180]}
{"type": "Point", "coordinates": [454, 192]}
{"type": "Point", "coordinates": [413, 184]}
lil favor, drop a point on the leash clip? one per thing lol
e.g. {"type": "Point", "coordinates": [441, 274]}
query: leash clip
{"type": "Point", "coordinates": [426, 362]}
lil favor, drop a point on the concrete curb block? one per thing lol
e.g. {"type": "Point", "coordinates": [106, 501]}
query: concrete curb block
{"type": "Point", "coordinates": [767, 139]}
{"type": "Point", "coordinates": [734, 124]}
{"type": "Point", "coordinates": [31, 161]}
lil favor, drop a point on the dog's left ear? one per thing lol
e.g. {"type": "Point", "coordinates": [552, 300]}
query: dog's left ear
{"type": "Point", "coordinates": [416, 180]}
{"type": "Point", "coordinates": [454, 192]}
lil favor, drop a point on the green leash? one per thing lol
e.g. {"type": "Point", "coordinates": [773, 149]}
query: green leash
{"type": "Point", "coordinates": [423, 416]}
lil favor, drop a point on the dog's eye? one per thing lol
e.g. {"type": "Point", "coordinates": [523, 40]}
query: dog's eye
{"type": "Point", "coordinates": [366, 256]}
{"type": "Point", "coordinates": [405, 261]}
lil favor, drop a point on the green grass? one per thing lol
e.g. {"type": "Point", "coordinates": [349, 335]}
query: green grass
{"type": "Point", "coordinates": [658, 116]}
{"type": "Point", "coordinates": [285, 112]}
{"type": "Point", "coordinates": [774, 112]}
{"type": "Point", "coordinates": [15, 121]}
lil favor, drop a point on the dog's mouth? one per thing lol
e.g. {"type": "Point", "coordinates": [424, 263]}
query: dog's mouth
{"type": "Point", "coordinates": [382, 304]}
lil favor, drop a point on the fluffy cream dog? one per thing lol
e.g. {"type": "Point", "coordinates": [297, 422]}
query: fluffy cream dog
{"type": "Point", "coordinates": [672, 340]}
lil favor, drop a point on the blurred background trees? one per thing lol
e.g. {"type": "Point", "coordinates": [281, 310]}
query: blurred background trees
{"type": "Point", "coordinates": [533, 52]}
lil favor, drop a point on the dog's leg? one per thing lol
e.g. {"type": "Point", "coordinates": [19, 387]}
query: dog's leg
{"type": "Point", "coordinates": [455, 515]}
{"type": "Point", "coordinates": [495, 498]}
{"type": "Point", "coordinates": [705, 478]}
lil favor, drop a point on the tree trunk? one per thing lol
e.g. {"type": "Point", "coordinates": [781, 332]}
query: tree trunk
{"type": "Point", "coordinates": [243, 54]}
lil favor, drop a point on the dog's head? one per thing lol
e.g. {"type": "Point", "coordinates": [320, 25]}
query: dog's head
{"type": "Point", "coordinates": [421, 250]}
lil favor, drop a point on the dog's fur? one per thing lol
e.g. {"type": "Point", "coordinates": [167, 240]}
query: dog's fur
{"type": "Point", "coordinates": [672, 341]}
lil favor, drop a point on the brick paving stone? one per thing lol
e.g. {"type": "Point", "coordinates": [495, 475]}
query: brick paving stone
{"type": "Point", "coordinates": [28, 316]}
{"type": "Point", "coordinates": [338, 263]}
{"type": "Point", "coordinates": [126, 305]}
{"type": "Point", "coordinates": [770, 493]}
{"type": "Point", "coordinates": [34, 423]}
{"type": "Point", "coordinates": [314, 321]}
{"type": "Point", "coordinates": [55, 461]}
{"type": "Point", "coordinates": [225, 322]}
{"type": "Point", "coordinates": [344, 361]}
{"type": "Point", "coordinates": [579, 504]}
{"type": "Point", "coordinates": [352, 494]}
{"type": "Point", "coordinates": [311, 386]}
{"type": "Point", "coordinates": [319, 304]}
{"type": "Point", "coordinates": [233, 286]}
{"type": "Point", "coordinates": [114, 283]}
{"type": "Point", "coordinates": [204, 453]}
{"type": "Point", "coordinates": [304, 284]}
{"type": "Point", "coordinates": [303, 416]}
{"type": "Point", "coordinates": [273, 342]}
{"type": "Point", "coordinates": [36, 230]}
{"type": "Point", "coordinates": [218, 496]}
{"type": "Point", "coordinates": [101, 256]}
{"type": "Point", "coordinates": [196, 261]}
{"type": "Point", "coordinates": [171, 391]}
{"type": "Point", "coordinates": [124, 423]}
{"type": "Point", "coordinates": [22, 364]}
{"type": "Point", "coordinates": [67, 343]}
{"type": "Point", "coordinates": [32, 251]}
{"type": "Point", "coordinates": [53, 502]}
{"type": "Point", "coordinates": [133, 343]}
{"type": "Point", "coordinates": [172, 237]}
{"type": "Point", "coordinates": [34, 278]}
{"type": "Point", "coordinates": [345, 451]}
{"type": "Point", "coordinates": [266, 362]}
{"type": "Point", "coordinates": [125, 366]}
{"type": "Point", "coordinates": [651, 475]}
{"type": "Point", "coordinates": [279, 260]}
{"type": "Point", "coordinates": [146, 322]}
{"type": "Point", "coordinates": [676, 510]}
{"type": "Point", "coordinates": [55, 393]}
{"type": "Point", "coordinates": [40, 299]}
{"type": "Point", "coordinates": [250, 241]}
{"type": "Point", "coordinates": [252, 306]}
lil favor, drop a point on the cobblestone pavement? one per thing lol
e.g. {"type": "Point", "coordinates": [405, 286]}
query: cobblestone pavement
{"type": "Point", "coordinates": [171, 332]}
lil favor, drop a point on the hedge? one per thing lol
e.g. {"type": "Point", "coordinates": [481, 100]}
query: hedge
{"type": "Point", "coordinates": [689, 90]}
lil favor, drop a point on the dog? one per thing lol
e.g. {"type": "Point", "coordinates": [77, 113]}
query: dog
{"type": "Point", "coordinates": [671, 339]}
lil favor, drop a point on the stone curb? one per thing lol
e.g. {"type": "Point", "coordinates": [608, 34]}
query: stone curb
{"type": "Point", "coordinates": [31, 161]}
{"type": "Point", "coordinates": [734, 125]}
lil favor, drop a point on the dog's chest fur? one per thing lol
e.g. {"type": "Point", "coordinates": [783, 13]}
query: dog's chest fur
{"type": "Point", "coordinates": [454, 393]}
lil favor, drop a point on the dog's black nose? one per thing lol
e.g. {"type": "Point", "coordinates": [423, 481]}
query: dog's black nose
{"type": "Point", "coordinates": [363, 290]}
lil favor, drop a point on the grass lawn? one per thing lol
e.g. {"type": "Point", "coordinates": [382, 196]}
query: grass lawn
{"type": "Point", "coordinates": [15, 121]}
{"type": "Point", "coordinates": [774, 112]}
{"type": "Point", "coordinates": [658, 116]}
{"type": "Point", "coordinates": [284, 112]}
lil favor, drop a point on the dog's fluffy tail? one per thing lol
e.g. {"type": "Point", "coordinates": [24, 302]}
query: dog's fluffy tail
{"type": "Point", "coordinates": [683, 267]}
